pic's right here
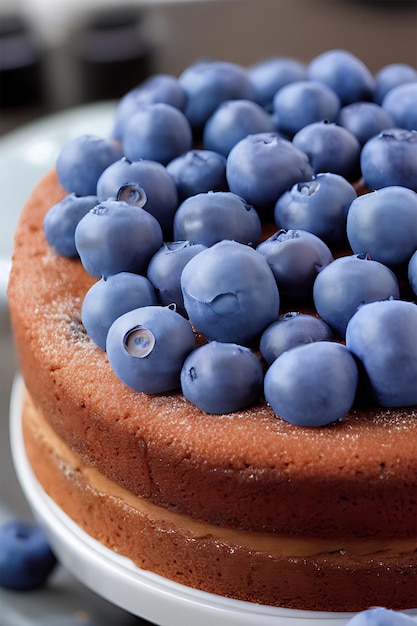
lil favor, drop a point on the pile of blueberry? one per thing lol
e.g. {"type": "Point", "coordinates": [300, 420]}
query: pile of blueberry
{"type": "Point", "coordinates": [170, 215]}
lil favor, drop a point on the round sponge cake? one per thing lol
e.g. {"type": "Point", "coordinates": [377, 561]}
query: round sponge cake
{"type": "Point", "coordinates": [244, 505]}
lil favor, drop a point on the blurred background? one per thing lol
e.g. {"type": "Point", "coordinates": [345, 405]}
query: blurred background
{"type": "Point", "coordinates": [55, 55]}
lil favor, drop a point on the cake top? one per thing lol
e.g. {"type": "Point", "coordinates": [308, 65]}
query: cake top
{"type": "Point", "coordinates": [234, 256]}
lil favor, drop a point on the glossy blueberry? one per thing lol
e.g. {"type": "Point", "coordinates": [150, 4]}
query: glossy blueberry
{"type": "Point", "coordinates": [210, 217]}
{"type": "Point", "coordinates": [390, 158]}
{"type": "Point", "coordinates": [157, 132]}
{"type": "Point", "coordinates": [147, 348]}
{"type": "Point", "coordinates": [291, 330]}
{"type": "Point", "coordinates": [391, 76]}
{"type": "Point", "coordinates": [384, 224]}
{"type": "Point", "coordinates": [313, 384]}
{"type": "Point", "coordinates": [157, 88]}
{"type": "Point", "coordinates": [343, 72]}
{"type": "Point", "coordinates": [165, 269]}
{"type": "Point", "coordinates": [152, 177]}
{"type": "Point", "coordinates": [230, 293]}
{"type": "Point", "coordinates": [222, 377]}
{"type": "Point", "coordinates": [303, 102]}
{"type": "Point", "coordinates": [261, 167]}
{"type": "Point", "coordinates": [349, 282]}
{"type": "Point", "coordinates": [209, 83]}
{"type": "Point", "coordinates": [109, 298]}
{"type": "Point", "coordinates": [117, 237]}
{"type": "Point", "coordinates": [401, 104]}
{"type": "Point", "coordinates": [381, 617]}
{"type": "Point", "coordinates": [61, 221]}
{"type": "Point", "coordinates": [271, 74]}
{"type": "Point", "coordinates": [26, 559]}
{"type": "Point", "coordinates": [295, 258]}
{"type": "Point", "coordinates": [198, 171]}
{"type": "Point", "coordinates": [412, 272]}
{"type": "Point", "coordinates": [232, 121]}
{"type": "Point", "coordinates": [319, 206]}
{"type": "Point", "coordinates": [330, 148]}
{"type": "Point", "coordinates": [383, 336]}
{"type": "Point", "coordinates": [364, 120]}
{"type": "Point", "coordinates": [81, 162]}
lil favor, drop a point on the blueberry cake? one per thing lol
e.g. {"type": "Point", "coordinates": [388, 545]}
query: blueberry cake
{"type": "Point", "coordinates": [219, 346]}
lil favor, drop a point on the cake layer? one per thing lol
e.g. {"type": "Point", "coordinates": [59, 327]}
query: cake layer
{"type": "Point", "coordinates": [298, 572]}
{"type": "Point", "coordinates": [356, 478]}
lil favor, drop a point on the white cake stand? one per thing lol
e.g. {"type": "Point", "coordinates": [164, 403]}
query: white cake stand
{"type": "Point", "coordinates": [119, 581]}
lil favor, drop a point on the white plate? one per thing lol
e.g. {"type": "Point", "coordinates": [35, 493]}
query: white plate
{"type": "Point", "coordinates": [26, 154]}
{"type": "Point", "coordinates": [138, 591]}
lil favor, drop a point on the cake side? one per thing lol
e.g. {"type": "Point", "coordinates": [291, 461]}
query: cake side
{"type": "Point", "coordinates": [314, 573]}
{"type": "Point", "coordinates": [249, 470]}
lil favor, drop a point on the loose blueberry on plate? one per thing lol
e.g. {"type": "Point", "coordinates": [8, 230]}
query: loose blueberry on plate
{"type": "Point", "coordinates": [270, 75]}
{"type": "Point", "coordinates": [198, 171]}
{"type": "Point", "coordinates": [381, 617]}
{"type": "Point", "coordinates": [26, 559]}
{"type": "Point", "coordinates": [221, 377]}
{"type": "Point", "coordinates": [401, 104]}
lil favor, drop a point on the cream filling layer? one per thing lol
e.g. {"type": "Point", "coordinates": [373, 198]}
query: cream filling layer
{"type": "Point", "coordinates": [277, 546]}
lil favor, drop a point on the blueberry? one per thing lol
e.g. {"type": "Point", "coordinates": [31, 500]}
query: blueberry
{"type": "Point", "coordinates": [390, 158]}
{"type": "Point", "coordinates": [198, 171]}
{"type": "Point", "coordinates": [81, 162]}
{"type": "Point", "coordinates": [165, 269]}
{"type": "Point", "coordinates": [381, 617]}
{"type": "Point", "coordinates": [384, 224]}
{"type": "Point", "coordinates": [26, 559]}
{"type": "Point", "coordinates": [383, 337]}
{"type": "Point", "coordinates": [313, 384]}
{"type": "Point", "coordinates": [230, 293]}
{"type": "Point", "coordinates": [61, 221]}
{"type": "Point", "coordinates": [401, 104]}
{"type": "Point", "coordinates": [261, 167]}
{"type": "Point", "coordinates": [364, 120]}
{"type": "Point", "coordinates": [207, 218]}
{"type": "Point", "coordinates": [153, 178]}
{"type": "Point", "coordinates": [269, 75]}
{"type": "Point", "coordinates": [303, 102]}
{"type": "Point", "coordinates": [349, 282]}
{"type": "Point", "coordinates": [147, 348]}
{"type": "Point", "coordinates": [330, 148]}
{"type": "Point", "coordinates": [295, 257]}
{"type": "Point", "coordinates": [291, 330]}
{"type": "Point", "coordinates": [232, 121]}
{"type": "Point", "coordinates": [157, 88]}
{"type": "Point", "coordinates": [109, 298]}
{"type": "Point", "coordinates": [343, 72]}
{"type": "Point", "coordinates": [391, 76]}
{"type": "Point", "coordinates": [117, 237]}
{"type": "Point", "coordinates": [412, 272]}
{"type": "Point", "coordinates": [157, 132]}
{"type": "Point", "coordinates": [319, 206]}
{"type": "Point", "coordinates": [209, 83]}
{"type": "Point", "coordinates": [222, 377]}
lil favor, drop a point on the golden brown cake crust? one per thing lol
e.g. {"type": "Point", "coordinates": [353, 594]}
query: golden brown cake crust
{"type": "Point", "coordinates": [304, 573]}
{"type": "Point", "coordinates": [249, 470]}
